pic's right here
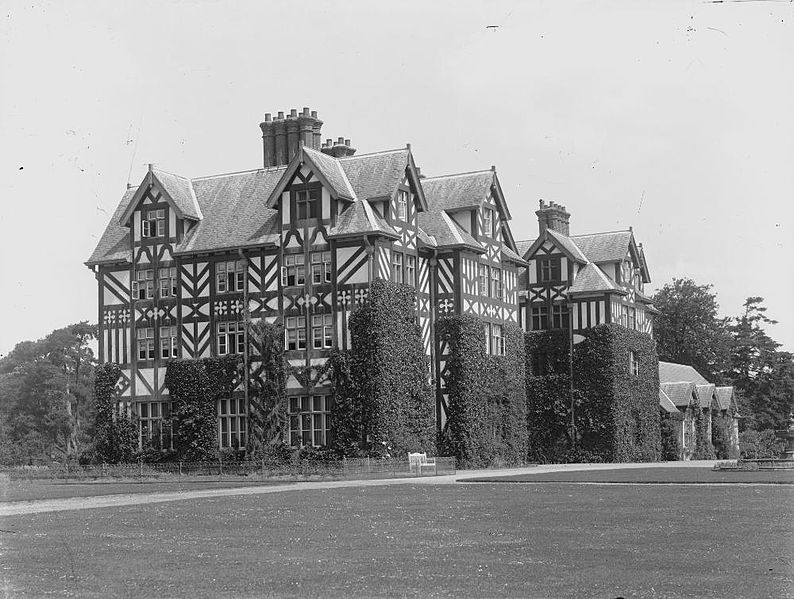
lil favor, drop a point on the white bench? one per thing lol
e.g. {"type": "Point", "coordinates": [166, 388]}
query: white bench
{"type": "Point", "coordinates": [418, 461]}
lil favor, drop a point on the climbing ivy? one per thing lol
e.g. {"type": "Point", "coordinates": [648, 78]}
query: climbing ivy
{"type": "Point", "coordinates": [192, 410]}
{"type": "Point", "coordinates": [383, 382]}
{"type": "Point", "coordinates": [267, 400]}
{"type": "Point", "coordinates": [721, 428]}
{"type": "Point", "coordinates": [487, 406]}
{"type": "Point", "coordinates": [116, 438]}
{"type": "Point", "coordinates": [669, 425]}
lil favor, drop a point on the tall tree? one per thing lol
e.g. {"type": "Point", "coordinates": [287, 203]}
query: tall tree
{"type": "Point", "coordinates": [763, 375]}
{"type": "Point", "coordinates": [688, 329]}
{"type": "Point", "coordinates": [45, 395]}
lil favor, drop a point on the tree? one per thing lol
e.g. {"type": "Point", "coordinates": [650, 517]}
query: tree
{"type": "Point", "coordinates": [45, 395]}
{"type": "Point", "coordinates": [763, 375]}
{"type": "Point", "coordinates": [688, 330]}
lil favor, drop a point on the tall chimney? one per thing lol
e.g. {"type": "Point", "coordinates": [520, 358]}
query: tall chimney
{"type": "Point", "coordinates": [553, 216]}
{"type": "Point", "coordinates": [282, 136]}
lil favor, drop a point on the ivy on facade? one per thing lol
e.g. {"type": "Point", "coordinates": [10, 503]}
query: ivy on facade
{"type": "Point", "coordinates": [487, 406]}
{"type": "Point", "coordinates": [267, 400]}
{"type": "Point", "coordinates": [116, 437]}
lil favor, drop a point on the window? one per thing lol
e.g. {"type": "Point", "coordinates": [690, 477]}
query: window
{"type": "Point", "coordinates": [632, 318]}
{"type": "Point", "coordinates": [231, 338]}
{"type": "Point", "coordinates": [634, 364]}
{"type": "Point", "coordinates": [410, 270]}
{"type": "Point", "coordinates": [497, 341]}
{"type": "Point", "coordinates": [168, 343]}
{"type": "Point", "coordinates": [495, 226]}
{"type": "Point", "coordinates": [486, 329]}
{"type": "Point", "coordinates": [487, 222]}
{"type": "Point", "coordinates": [321, 267]}
{"type": "Point", "coordinates": [230, 276]}
{"type": "Point", "coordinates": [559, 316]}
{"type": "Point", "coordinates": [152, 432]}
{"type": "Point", "coordinates": [549, 269]}
{"type": "Point", "coordinates": [540, 318]}
{"type": "Point", "coordinates": [397, 267]}
{"type": "Point", "coordinates": [309, 420]}
{"type": "Point", "coordinates": [295, 333]}
{"type": "Point", "coordinates": [153, 223]}
{"type": "Point", "coordinates": [146, 343]}
{"type": "Point", "coordinates": [483, 279]}
{"type": "Point", "coordinates": [143, 285]}
{"type": "Point", "coordinates": [231, 423]}
{"type": "Point", "coordinates": [308, 204]}
{"type": "Point", "coordinates": [322, 331]}
{"type": "Point", "coordinates": [167, 277]}
{"type": "Point", "coordinates": [294, 270]}
{"type": "Point", "coordinates": [496, 283]}
{"type": "Point", "coordinates": [402, 205]}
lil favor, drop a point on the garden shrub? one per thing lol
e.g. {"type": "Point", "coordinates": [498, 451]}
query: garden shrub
{"type": "Point", "coordinates": [668, 429]}
{"type": "Point", "coordinates": [704, 450]}
{"type": "Point", "coordinates": [487, 395]}
{"type": "Point", "coordinates": [721, 426]}
{"type": "Point", "coordinates": [755, 445]}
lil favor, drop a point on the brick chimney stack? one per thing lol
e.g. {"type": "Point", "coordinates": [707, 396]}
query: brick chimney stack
{"type": "Point", "coordinates": [340, 149]}
{"type": "Point", "coordinates": [282, 136]}
{"type": "Point", "coordinates": [553, 216]}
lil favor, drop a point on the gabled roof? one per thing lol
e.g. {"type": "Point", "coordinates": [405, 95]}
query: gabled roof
{"type": "Point", "coordinates": [725, 397]}
{"type": "Point", "coordinates": [377, 175]}
{"type": "Point", "coordinates": [360, 219]}
{"type": "Point", "coordinates": [523, 246]}
{"type": "Point", "coordinates": [563, 242]}
{"type": "Point", "coordinates": [236, 213]}
{"type": "Point", "coordinates": [114, 245]}
{"type": "Point", "coordinates": [704, 394]}
{"type": "Point", "coordinates": [591, 279]}
{"type": "Point", "coordinates": [666, 403]}
{"type": "Point", "coordinates": [178, 191]}
{"type": "Point", "coordinates": [464, 191]}
{"type": "Point", "coordinates": [510, 255]}
{"type": "Point", "coordinates": [327, 169]}
{"type": "Point", "coordinates": [680, 393]}
{"type": "Point", "coordinates": [604, 247]}
{"type": "Point", "coordinates": [670, 372]}
{"type": "Point", "coordinates": [446, 232]}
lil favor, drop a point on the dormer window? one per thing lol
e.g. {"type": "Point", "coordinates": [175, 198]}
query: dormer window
{"type": "Point", "coordinates": [402, 205]}
{"type": "Point", "coordinates": [308, 204]}
{"type": "Point", "coordinates": [487, 222]}
{"type": "Point", "coordinates": [153, 224]}
{"type": "Point", "coordinates": [550, 269]}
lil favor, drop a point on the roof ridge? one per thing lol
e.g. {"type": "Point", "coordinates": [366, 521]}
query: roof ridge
{"type": "Point", "coordinates": [156, 170]}
{"type": "Point", "coordinates": [234, 173]}
{"type": "Point", "coordinates": [353, 157]}
{"type": "Point", "coordinates": [602, 233]}
{"type": "Point", "coordinates": [487, 170]}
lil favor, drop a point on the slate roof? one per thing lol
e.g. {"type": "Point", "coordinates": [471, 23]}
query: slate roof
{"type": "Point", "coordinates": [114, 245]}
{"type": "Point", "coordinates": [704, 394]}
{"type": "Point", "coordinates": [445, 231]}
{"type": "Point", "coordinates": [512, 256]}
{"type": "Point", "coordinates": [591, 279]}
{"type": "Point", "coordinates": [375, 175]}
{"type": "Point", "coordinates": [330, 168]}
{"type": "Point", "coordinates": [182, 193]}
{"type": "Point", "coordinates": [680, 393]}
{"type": "Point", "coordinates": [567, 243]}
{"type": "Point", "coordinates": [666, 403]}
{"type": "Point", "coordinates": [458, 192]}
{"type": "Point", "coordinates": [523, 246]}
{"type": "Point", "coordinates": [670, 372]}
{"type": "Point", "coordinates": [604, 247]}
{"type": "Point", "coordinates": [724, 397]}
{"type": "Point", "coordinates": [360, 219]}
{"type": "Point", "coordinates": [235, 211]}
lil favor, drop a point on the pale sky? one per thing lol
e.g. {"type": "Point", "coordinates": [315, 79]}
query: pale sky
{"type": "Point", "coordinates": [675, 118]}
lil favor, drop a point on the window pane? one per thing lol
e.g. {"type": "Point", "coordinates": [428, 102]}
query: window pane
{"type": "Point", "coordinates": [317, 401]}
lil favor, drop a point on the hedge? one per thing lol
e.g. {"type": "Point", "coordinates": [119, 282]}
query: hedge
{"type": "Point", "coordinates": [116, 437]}
{"type": "Point", "coordinates": [486, 412]}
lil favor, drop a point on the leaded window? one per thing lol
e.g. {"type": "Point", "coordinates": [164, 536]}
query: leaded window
{"type": "Point", "coordinates": [230, 276]}
{"type": "Point", "coordinates": [231, 338]}
{"type": "Point", "coordinates": [232, 422]}
{"type": "Point", "coordinates": [295, 332]}
{"type": "Point", "coordinates": [294, 270]}
{"type": "Point", "coordinates": [309, 420]}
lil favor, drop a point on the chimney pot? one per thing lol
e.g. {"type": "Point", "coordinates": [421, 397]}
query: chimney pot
{"type": "Point", "coordinates": [329, 142]}
{"type": "Point", "coordinates": [280, 115]}
{"type": "Point", "coordinates": [268, 117]}
{"type": "Point", "coordinates": [293, 112]}
{"type": "Point", "coordinates": [306, 111]}
{"type": "Point", "coordinates": [347, 142]}
{"type": "Point", "coordinates": [314, 114]}
{"type": "Point", "coordinates": [341, 141]}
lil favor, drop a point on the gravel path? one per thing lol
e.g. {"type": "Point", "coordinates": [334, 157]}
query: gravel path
{"type": "Point", "coordinates": [15, 508]}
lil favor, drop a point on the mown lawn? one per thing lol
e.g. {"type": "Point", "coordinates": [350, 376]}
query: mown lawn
{"type": "Point", "coordinates": [464, 540]}
{"type": "Point", "coordinates": [653, 475]}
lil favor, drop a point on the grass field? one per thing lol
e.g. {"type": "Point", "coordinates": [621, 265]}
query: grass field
{"type": "Point", "coordinates": [417, 540]}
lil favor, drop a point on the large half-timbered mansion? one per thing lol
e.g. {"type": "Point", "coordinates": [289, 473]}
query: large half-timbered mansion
{"type": "Point", "coordinates": [184, 261]}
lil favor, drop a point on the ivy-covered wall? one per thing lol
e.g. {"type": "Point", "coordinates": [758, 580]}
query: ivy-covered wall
{"type": "Point", "coordinates": [116, 436]}
{"type": "Point", "coordinates": [382, 395]}
{"type": "Point", "coordinates": [616, 412]}
{"type": "Point", "coordinates": [487, 395]}
{"type": "Point", "coordinates": [267, 399]}
{"type": "Point", "coordinates": [669, 426]}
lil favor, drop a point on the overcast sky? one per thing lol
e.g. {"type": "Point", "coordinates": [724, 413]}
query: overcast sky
{"type": "Point", "coordinates": [675, 118]}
